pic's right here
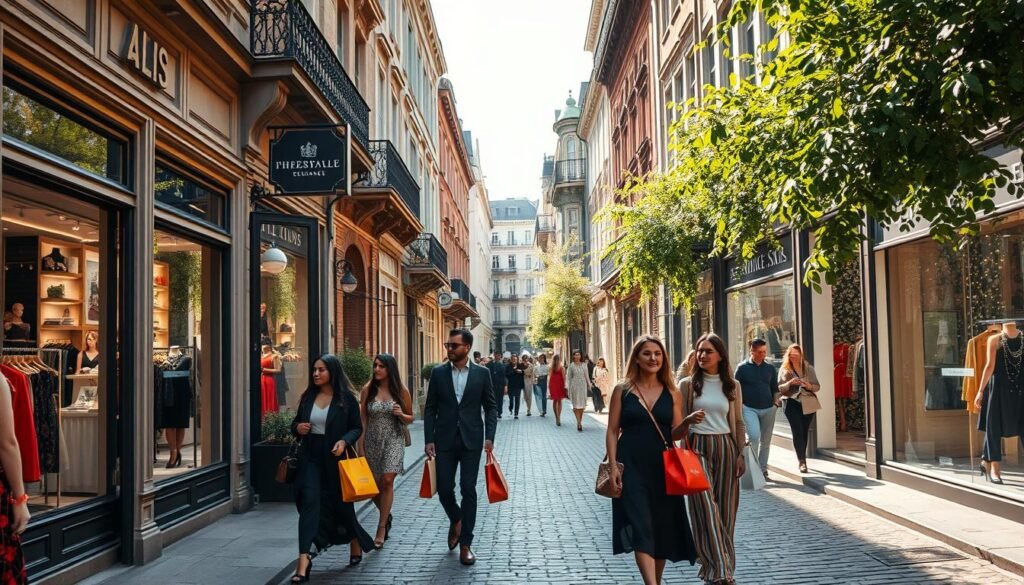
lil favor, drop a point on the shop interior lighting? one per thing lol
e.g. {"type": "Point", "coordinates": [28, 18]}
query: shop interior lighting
{"type": "Point", "coordinates": [31, 225]}
{"type": "Point", "coordinates": [273, 261]}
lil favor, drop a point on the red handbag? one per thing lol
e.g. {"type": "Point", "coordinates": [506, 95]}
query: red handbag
{"type": "Point", "coordinates": [684, 474]}
{"type": "Point", "coordinates": [497, 487]}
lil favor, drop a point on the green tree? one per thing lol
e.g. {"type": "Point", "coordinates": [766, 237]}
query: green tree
{"type": "Point", "coordinates": [875, 108]}
{"type": "Point", "coordinates": [565, 303]}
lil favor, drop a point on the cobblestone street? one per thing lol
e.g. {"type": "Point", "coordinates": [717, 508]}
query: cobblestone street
{"type": "Point", "coordinates": [554, 529]}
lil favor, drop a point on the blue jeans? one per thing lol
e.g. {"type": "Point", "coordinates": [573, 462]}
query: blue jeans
{"type": "Point", "coordinates": [760, 425]}
{"type": "Point", "coordinates": [540, 394]}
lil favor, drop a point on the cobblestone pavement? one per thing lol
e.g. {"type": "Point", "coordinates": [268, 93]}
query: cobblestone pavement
{"type": "Point", "coordinates": [554, 529]}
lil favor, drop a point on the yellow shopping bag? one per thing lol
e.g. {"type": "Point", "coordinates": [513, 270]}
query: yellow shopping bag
{"type": "Point", "coordinates": [356, 479]}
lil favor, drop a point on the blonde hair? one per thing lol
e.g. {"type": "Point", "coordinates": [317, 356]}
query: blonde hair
{"type": "Point", "coordinates": [788, 365]}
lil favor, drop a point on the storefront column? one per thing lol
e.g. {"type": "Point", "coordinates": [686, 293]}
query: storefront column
{"type": "Point", "coordinates": [875, 308]}
{"type": "Point", "coordinates": [821, 340]}
{"type": "Point", "coordinates": [146, 541]}
{"type": "Point", "coordinates": [238, 222]}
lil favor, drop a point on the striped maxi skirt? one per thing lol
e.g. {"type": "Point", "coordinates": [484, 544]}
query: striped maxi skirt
{"type": "Point", "coordinates": [713, 512]}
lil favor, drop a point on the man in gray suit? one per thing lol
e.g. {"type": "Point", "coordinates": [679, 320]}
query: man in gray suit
{"type": "Point", "coordinates": [459, 421]}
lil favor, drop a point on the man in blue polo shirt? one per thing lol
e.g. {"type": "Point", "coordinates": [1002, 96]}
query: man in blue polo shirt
{"type": "Point", "coordinates": [759, 381]}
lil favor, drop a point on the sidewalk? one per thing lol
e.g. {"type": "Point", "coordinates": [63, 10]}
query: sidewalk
{"type": "Point", "coordinates": [249, 548]}
{"type": "Point", "coordinates": [970, 530]}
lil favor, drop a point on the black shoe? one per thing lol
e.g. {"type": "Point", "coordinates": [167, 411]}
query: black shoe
{"type": "Point", "coordinates": [516, 417]}
{"type": "Point", "coordinates": [387, 528]}
{"type": "Point", "coordinates": [528, 414]}
{"type": "Point", "coordinates": [297, 578]}
{"type": "Point", "coordinates": [355, 560]}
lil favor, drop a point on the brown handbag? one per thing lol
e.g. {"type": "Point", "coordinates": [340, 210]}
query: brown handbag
{"type": "Point", "coordinates": [288, 465]}
{"type": "Point", "coordinates": [605, 487]}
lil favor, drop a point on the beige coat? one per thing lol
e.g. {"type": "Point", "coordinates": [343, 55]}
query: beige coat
{"type": "Point", "coordinates": [738, 430]}
{"type": "Point", "coordinates": [810, 376]}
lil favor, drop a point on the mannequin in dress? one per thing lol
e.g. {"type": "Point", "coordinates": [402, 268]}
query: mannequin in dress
{"type": "Point", "coordinates": [14, 327]}
{"type": "Point", "coordinates": [270, 364]}
{"type": "Point", "coordinates": [177, 401]}
{"type": "Point", "coordinates": [1000, 402]}
{"type": "Point", "coordinates": [89, 357]}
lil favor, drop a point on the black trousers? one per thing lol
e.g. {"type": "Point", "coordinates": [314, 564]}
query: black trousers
{"type": "Point", "coordinates": [800, 424]}
{"type": "Point", "coordinates": [499, 397]}
{"type": "Point", "coordinates": [468, 463]}
{"type": "Point", "coordinates": [309, 485]}
{"type": "Point", "coordinates": [514, 398]}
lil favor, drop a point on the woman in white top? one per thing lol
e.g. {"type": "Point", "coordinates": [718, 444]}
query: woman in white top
{"type": "Point", "coordinates": [577, 380]}
{"type": "Point", "coordinates": [603, 379]}
{"type": "Point", "coordinates": [529, 381]}
{"type": "Point", "coordinates": [540, 387]}
{"type": "Point", "coordinates": [799, 385]}
{"type": "Point", "coordinates": [718, 436]}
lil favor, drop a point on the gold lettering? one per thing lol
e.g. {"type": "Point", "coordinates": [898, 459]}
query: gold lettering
{"type": "Point", "coordinates": [161, 67]}
{"type": "Point", "coordinates": [146, 56]}
{"type": "Point", "coordinates": [133, 46]}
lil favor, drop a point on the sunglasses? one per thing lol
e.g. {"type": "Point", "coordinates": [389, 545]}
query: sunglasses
{"type": "Point", "coordinates": [453, 345]}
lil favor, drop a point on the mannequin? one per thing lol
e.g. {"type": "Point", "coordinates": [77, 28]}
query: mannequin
{"type": "Point", "coordinates": [1000, 397]}
{"type": "Point", "coordinates": [270, 362]}
{"type": "Point", "coordinates": [264, 324]}
{"type": "Point", "coordinates": [89, 357]}
{"type": "Point", "coordinates": [175, 395]}
{"type": "Point", "coordinates": [14, 327]}
{"type": "Point", "coordinates": [55, 262]}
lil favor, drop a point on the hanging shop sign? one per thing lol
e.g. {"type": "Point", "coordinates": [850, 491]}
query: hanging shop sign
{"type": "Point", "coordinates": [309, 160]}
{"type": "Point", "coordinates": [767, 261]}
{"type": "Point", "coordinates": [285, 237]}
{"type": "Point", "coordinates": [143, 54]}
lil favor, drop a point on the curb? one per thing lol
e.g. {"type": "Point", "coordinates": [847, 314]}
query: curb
{"type": "Point", "coordinates": [826, 487]}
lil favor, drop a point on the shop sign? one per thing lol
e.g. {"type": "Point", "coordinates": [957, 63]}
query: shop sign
{"type": "Point", "coordinates": [767, 261]}
{"type": "Point", "coordinates": [287, 238]}
{"type": "Point", "coordinates": [309, 161]}
{"type": "Point", "coordinates": [146, 56]}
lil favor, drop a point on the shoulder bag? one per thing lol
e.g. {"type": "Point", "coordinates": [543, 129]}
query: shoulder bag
{"type": "Point", "coordinates": [289, 464]}
{"type": "Point", "coordinates": [684, 474]}
{"type": "Point", "coordinates": [605, 487]}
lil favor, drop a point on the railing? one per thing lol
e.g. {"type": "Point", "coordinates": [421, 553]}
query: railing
{"type": "Point", "coordinates": [517, 322]}
{"type": "Point", "coordinates": [283, 29]}
{"type": "Point", "coordinates": [607, 267]}
{"type": "Point", "coordinates": [507, 297]}
{"type": "Point", "coordinates": [545, 223]}
{"type": "Point", "coordinates": [389, 170]}
{"type": "Point", "coordinates": [461, 289]}
{"type": "Point", "coordinates": [427, 252]}
{"type": "Point", "coordinates": [507, 269]}
{"type": "Point", "coordinates": [569, 171]}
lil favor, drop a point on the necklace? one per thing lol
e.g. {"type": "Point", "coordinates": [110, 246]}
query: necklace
{"type": "Point", "coordinates": [1012, 361]}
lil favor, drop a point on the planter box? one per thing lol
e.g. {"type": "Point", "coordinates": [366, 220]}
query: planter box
{"type": "Point", "coordinates": [263, 467]}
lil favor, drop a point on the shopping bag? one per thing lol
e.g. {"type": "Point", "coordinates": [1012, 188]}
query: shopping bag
{"type": "Point", "coordinates": [684, 474]}
{"type": "Point", "coordinates": [356, 479]}
{"type": "Point", "coordinates": [428, 485]}
{"type": "Point", "coordinates": [753, 478]}
{"type": "Point", "coordinates": [497, 487]}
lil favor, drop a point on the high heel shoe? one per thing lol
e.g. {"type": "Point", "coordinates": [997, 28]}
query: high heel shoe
{"type": "Point", "coordinates": [297, 578]}
{"type": "Point", "coordinates": [387, 527]}
{"type": "Point", "coordinates": [354, 560]}
{"type": "Point", "coordinates": [984, 471]}
{"type": "Point", "coordinates": [172, 461]}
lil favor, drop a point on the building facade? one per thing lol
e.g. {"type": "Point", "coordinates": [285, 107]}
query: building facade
{"type": "Point", "coordinates": [480, 227]}
{"type": "Point", "coordinates": [515, 272]}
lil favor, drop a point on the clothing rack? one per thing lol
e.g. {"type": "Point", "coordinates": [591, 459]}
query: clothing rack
{"type": "Point", "coordinates": [59, 356]}
{"type": "Point", "coordinates": [189, 351]}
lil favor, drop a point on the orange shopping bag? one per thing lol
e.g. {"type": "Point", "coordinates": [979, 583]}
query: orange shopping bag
{"type": "Point", "coordinates": [497, 487]}
{"type": "Point", "coordinates": [428, 485]}
{"type": "Point", "coordinates": [357, 482]}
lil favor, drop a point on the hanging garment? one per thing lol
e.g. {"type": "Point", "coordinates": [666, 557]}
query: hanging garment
{"type": "Point", "coordinates": [843, 384]}
{"type": "Point", "coordinates": [975, 358]}
{"type": "Point", "coordinates": [1002, 410]}
{"type": "Point", "coordinates": [24, 423]}
{"type": "Point", "coordinates": [45, 395]}
{"type": "Point", "coordinates": [268, 391]}
{"type": "Point", "coordinates": [175, 390]}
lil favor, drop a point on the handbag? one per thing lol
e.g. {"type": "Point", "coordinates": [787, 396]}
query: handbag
{"type": "Point", "coordinates": [357, 481]}
{"type": "Point", "coordinates": [809, 403]}
{"type": "Point", "coordinates": [604, 486]}
{"type": "Point", "coordinates": [752, 478]}
{"type": "Point", "coordinates": [497, 487]}
{"type": "Point", "coordinates": [684, 473]}
{"type": "Point", "coordinates": [428, 485]}
{"type": "Point", "coordinates": [288, 465]}
{"type": "Point", "coordinates": [406, 435]}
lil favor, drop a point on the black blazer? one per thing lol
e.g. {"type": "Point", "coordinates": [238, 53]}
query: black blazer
{"type": "Point", "coordinates": [343, 423]}
{"type": "Point", "coordinates": [444, 415]}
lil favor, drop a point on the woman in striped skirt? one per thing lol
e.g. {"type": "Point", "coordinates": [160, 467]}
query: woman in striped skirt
{"type": "Point", "coordinates": [718, 437]}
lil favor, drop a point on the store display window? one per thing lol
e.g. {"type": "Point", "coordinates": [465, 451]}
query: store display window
{"type": "Point", "coordinates": [59, 306]}
{"type": "Point", "coordinates": [188, 196]}
{"type": "Point", "coordinates": [945, 306]}
{"type": "Point", "coordinates": [187, 337]}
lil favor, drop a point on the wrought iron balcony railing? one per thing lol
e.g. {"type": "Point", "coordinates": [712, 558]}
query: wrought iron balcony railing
{"type": "Point", "coordinates": [460, 288]}
{"type": "Point", "coordinates": [283, 29]}
{"type": "Point", "coordinates": [545, 223]}
{"type": "Point", "coordinates": [511, 323]}
{"type": "Point", "coordinates": [389, 170]}
{"type": "Point", "coordinates": [427, 252]}
{"type": "Point", "coordinates": [505, 270]}
{"type": "Point", "coordinates": [570, 171]}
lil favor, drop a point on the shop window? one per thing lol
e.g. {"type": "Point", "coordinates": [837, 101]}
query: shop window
{"type": "Point", "coordinates": [187, 311]}
{"type": "Point", "coordinates": [60, 263]}
{"type": "Point", "coordinates": [32, 122]}
{"type": "Point", "coordinates": [188, 196]}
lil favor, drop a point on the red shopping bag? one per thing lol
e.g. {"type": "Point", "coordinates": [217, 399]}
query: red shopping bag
{"type": "Point", "coordinates": [428, 485]}
{"type": "Point", "coordinates": [497, 487]}
{"type": "Point", "coordinates": [684, 475]}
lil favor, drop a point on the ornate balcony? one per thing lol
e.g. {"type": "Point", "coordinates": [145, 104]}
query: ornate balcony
{"type": "Point", "coordinates": [571, 171]}
{"type": "Point", "coordinates": [545, 231]}
{"type": "Point", "coordinates": [568, 184]}
{"type": "Point", "coordinates": [426, 263]}
{"type": "Point", "coordinates": [502, 297]}
{"type": "Point", "coordinates": [282, 33]}
{"type": "Point", "coordinates": [386, 199]}
{"type": "Point", "coordinates": [463, 303]}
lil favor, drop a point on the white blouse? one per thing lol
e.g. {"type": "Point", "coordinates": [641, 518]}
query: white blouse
{"type": "Point", "coordinates": [318, 419]}
{"type": "Point", "coordinates": [715, 404]}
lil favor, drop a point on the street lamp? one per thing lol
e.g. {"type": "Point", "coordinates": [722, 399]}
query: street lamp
{"type": "Point", "coordinates": [347, 282]}
{"type": "Point", "coordinates": [273, 261]}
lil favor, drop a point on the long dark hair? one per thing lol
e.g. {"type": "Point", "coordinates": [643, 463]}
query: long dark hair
{"type": "Point", "coordinates": [724, 369]}
{"type": "Point", "coordinates": [343, 394]}
{"type": "Point", "coordinates": [395, 385]}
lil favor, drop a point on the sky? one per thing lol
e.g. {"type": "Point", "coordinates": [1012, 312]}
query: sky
{"type": "Point", "coordinates": [512, 64]}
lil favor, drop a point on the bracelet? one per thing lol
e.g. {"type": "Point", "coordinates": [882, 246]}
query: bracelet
{"type": "Point", "coordinates": [18, 500]}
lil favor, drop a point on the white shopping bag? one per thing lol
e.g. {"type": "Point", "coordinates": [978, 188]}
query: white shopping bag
{"type": "Point", "coordinates": [753, 478]}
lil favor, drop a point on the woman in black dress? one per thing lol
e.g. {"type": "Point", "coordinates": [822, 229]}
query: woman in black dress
{"type": "Point", "coordinates": [645, 520]}
{"type": "Point", "coordinates": [999, 398]}
{"type": "Point", "coordinates": [327, 423]}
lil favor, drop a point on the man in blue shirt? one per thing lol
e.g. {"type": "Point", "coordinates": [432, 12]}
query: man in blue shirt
{"type": "Point", "coordinates": [759, 381]}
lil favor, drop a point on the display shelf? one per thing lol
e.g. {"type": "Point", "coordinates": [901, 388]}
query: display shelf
{"type": "Point", "coordinates": [59, 275]}
{"type": "Point", "coordinates": [161, 311]}
{"type": "Point", "coordinates": [60, 328]}
{"type": "Point", "coordinates": [59, 301]}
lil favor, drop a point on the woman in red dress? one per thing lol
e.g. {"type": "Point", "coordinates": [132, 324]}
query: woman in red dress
{"type": "Point", "coordinates": [843, 384]}
{"type": "Point", "coordinates": [271, 366]}
{"type": "Point", "coordinates": [556, 387]}
{"type": "Point", "coordinates": [14, 513]}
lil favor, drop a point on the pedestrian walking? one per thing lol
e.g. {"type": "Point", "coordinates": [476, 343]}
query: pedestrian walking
{"type": "Point", "coordinates": [529, 382]}
{"type": "Point", "coordinates": [643, 411]}
{"type": "Point", "coordinates": [385, 409]}
{"type": "Point", "coordinates": [798, 384]}
{"type": "Point", "coordinates": [14, 514]}
{"type": "Point", "coordinates": [499, 383]}
{"type": "Point", "coordinates": [515, 372]}
{"type": "Point", "coordinates": [327, 424]}
{"type": "Point", "coordinates": [759, 380]}
{"type": "Point", "coordinates": [603, 381]}
{"type": "Point", "coordinates": [719, 437]}
{"type": "Point", "coordinates": [595, 393]}
{"type": "Point", "coordinates": [540, 387]}
{"type": "Point", "coordinates": [556, 386]}
{"type": "Point", "coordinates": [686, 366]}
{"type": "Point", "coordinates": [577, 379]}
{"type": "Point", "coordinates": [459, 395]}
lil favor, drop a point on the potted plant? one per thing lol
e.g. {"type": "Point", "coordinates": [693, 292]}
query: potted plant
{"type": "Point", "coordinates": [358, 366]}
{"type": "Point", "coordinates": [276, 438]}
